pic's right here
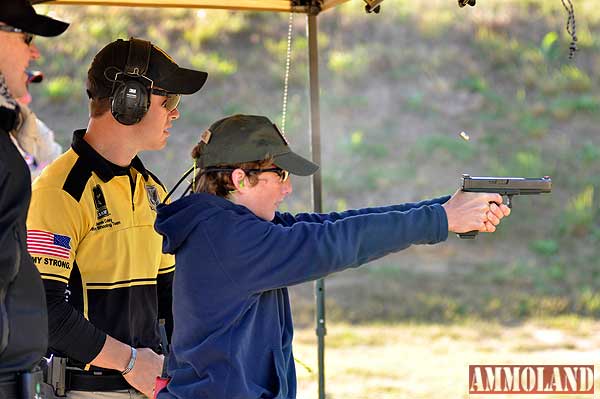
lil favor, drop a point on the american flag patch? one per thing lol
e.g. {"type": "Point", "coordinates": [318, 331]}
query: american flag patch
{"type": "Point", "coordinates": [41, 242]}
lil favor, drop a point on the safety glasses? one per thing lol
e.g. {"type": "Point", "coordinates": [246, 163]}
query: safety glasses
{"type": "Point", "coordinates": [282, 173]}
{"type": "Point", "coordinates": [172, 100]}
{"type": "Point", "coordinates": [27, 37]}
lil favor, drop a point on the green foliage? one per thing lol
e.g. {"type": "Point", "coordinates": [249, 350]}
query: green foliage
{"type": "Point", "coordinates": [574, 79]}
{"type": "Point", "coordinates": [476, 84]}
{"type": "Point", "coordinates": [589, 152]}
{"type": "Point", "coordinates": [532, 126]}
{"type": "Point", "coordinates": [565, 107]}
{"type": "Point", "coordinates": [433, 23]}
{"type": "Point", "coordinates": [440, 307]}
{"type": "Point", "coordinates": [580, 212]}
{"type": "Point", "coordinates": [341, 103]}
{"type": "Point", "coordinates": [278, 47]}
{"type": "Point", "coordinates": [361, 175]}
{"type": "Point", "coordinates": [106, 29]}
{"type": "Point", "coordinates": [500, 49]}
{"type": "Point", "coordinates": [550, 46]}
{"type": "Point", "coordinates": [432, 144]}
{"type": "Point", "coordinates": [529, 163]}
{"type": "Point", "coordinates": [416, 102]}
{"type": "Point", "coordinates": [544, 247]}
{"type": "Point", "coordinates": [589, 302]}
{"type": "Point", "coordinates": [350, 64]}
{"type": "Point", "coordinates": [277, 50]}
{"type": "Point", "coordinates": [556, 272]}
{"type": "Point", "coordinates": [568, 78]}
{"type": "Point", "coordinates": [356, 139]}
{"type": "Point", "coordinates": [525, 163]}
{"type": "Point", "coordinates": [214, 63]}
{"type": "Point", "coordinates": [365, 149]}
{"type": "Point", "coordinates": [207, 28]}
{"type": "Point", "coordinates": [586, 38]}
{"type": "Point", "coordinates": [62, 88]}
{"type": "Point", "coordinates": [341, 205]}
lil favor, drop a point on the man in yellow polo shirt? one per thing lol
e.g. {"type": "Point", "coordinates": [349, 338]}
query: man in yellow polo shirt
{"type": "Point", "coordinates": [90, 226]}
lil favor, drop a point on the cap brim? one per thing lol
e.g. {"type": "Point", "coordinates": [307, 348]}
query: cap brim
{"type": "Point", "coordinates": [183, 81]}
{"type": "Point", "coordinates": [295, 164]}
{"type": "Point", "coordinates": [41, 25]}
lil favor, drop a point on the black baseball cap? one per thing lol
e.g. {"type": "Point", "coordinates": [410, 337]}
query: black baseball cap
{"type": "Point", "coordinates": [247, 138]}
{"type": "Point", "coordinates": [162, 70]}
{"type": "Point", "coordinates": [20, 14]}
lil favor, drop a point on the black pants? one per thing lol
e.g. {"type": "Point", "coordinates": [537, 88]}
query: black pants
{"type": "Point", "coordinates": [25, 385]}
{"type": "Point", "coordinates": [8, 386]}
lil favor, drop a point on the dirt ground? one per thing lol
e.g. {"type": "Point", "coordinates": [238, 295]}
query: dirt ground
{"type": "Point", "coordinates": [431, 361]}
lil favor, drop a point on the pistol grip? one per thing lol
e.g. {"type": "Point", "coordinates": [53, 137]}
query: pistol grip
{"type": "Point", "coordinates": [470, 235]}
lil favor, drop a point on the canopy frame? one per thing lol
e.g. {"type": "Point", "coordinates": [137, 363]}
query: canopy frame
{"type": "Point", "coordinates": [309, 7]}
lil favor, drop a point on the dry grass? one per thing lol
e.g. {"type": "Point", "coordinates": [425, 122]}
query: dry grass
{"type": "Point", "coordinates": [431, 361]}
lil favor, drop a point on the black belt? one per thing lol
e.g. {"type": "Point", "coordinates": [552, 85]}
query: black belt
{"type": "Point", "coordinates": [88, 381]}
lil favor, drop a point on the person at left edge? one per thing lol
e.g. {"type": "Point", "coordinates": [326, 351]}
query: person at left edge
{"type": "Point", "coordinates": [36, 139]}
{"type": "Point", "coordinates": [23, 318]}
{"type": "Point", "coordinates": [90, 227]}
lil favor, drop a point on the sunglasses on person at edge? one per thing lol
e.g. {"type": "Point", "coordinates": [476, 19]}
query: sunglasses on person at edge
{"type": "Point", "coordinates": [27, 37]}
{"type": "Point", "coordinates": [172, 100]}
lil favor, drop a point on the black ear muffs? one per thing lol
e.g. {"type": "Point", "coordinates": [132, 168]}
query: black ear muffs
{"type": "Point", "coordinates": [129, 102]}
{"type": "Point", "coordinates": [130, 97]}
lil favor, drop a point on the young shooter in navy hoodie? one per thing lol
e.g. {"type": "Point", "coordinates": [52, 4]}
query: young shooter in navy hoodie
{"type": "Point", "coordinates": [236, 256]}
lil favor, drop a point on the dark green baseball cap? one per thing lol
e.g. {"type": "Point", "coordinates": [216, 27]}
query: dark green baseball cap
{"type": "Point", "coordinates": [248, 138]}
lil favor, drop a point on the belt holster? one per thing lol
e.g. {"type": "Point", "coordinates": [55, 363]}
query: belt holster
{"type": "Point", "coordinates": [55, 375]}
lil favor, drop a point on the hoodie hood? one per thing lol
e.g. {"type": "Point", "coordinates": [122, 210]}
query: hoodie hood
{"type": "Point", "coordinates": [177, 220]}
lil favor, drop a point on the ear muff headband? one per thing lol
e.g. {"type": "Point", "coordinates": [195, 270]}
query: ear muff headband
{"type": "Point", "coordinates": [130, 98]}
{"type": "Point", "coordinates": [138, 58]}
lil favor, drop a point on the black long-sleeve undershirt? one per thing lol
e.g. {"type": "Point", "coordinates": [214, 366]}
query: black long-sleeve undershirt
{"type": "Point", "coordinates": [70, 334]}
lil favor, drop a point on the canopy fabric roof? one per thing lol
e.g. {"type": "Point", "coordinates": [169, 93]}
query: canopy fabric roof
{"type": "Point", "coordinates": [256, 5]}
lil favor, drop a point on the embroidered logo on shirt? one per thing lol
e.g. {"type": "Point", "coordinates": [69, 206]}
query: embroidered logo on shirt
{"type": "Point", "coordinates": [100, 203]}
{"type": "Point", "coordinates": [153, 197]}
{"type": "Point", "coordinates": [50, 244]}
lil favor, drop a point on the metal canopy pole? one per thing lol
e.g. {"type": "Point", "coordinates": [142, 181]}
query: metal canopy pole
{"type": "Point", "coordinates": [315, 129]}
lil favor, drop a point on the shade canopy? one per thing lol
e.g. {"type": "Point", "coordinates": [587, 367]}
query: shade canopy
{"type": "Point", "coordinates": [256, 5]}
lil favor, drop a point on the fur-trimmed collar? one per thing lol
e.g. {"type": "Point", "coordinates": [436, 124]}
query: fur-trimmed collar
{"type": "Point", "coordinates": [9, 108]}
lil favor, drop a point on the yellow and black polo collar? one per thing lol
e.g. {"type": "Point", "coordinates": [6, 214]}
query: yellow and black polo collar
{"type": "Point", "coordinates": [97, 163]}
